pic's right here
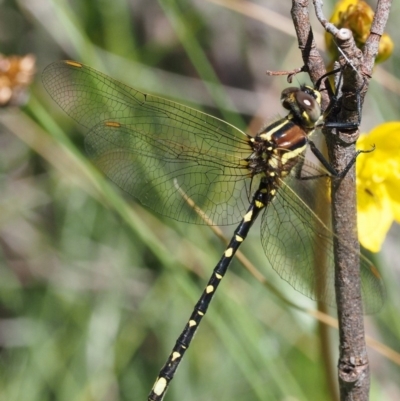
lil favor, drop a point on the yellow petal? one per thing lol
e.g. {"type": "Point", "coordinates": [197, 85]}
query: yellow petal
{"type": "Point", "coordinates": [394, 198]}
{"type": "Point", "coordinates": [374, 218]}
{"type": "Point", "coordinates": [378, 189]}
{"type": "Point", "coordinates": [385, 137]}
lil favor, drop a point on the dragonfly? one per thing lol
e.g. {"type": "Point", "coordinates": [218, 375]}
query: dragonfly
{"type": "Point", "coordinates": [162, 153]}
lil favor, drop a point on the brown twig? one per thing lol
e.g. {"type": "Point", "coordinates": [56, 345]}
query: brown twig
{"type": "Point", "coordinates": [378, 26]}
{"type": "Point", "coordinates": [353, 366]}
{"type": "Point", "coordinates": [290, 74]}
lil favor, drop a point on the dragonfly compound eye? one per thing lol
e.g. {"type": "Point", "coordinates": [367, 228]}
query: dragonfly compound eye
{"type": "Point", "coordinates": [309, 107]}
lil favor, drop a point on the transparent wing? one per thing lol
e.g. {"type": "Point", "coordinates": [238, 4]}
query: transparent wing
{"type": "Point", "coordinates": [298, 242]}
{"type": "Point", "coordinates": [155, 150]}
{"type": "Point", "coordinates": [144, 143]}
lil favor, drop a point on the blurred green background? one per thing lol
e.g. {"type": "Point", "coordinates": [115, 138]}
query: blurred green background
{"type": "Point", "coordinates": [94, 289]}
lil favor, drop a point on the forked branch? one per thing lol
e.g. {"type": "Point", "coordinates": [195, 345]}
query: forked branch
{"type": "Point", "coordinates": [356, 68]}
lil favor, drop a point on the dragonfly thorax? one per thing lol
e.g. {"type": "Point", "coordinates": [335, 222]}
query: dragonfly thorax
{"type": "Point", "coordinates": [276, 148]}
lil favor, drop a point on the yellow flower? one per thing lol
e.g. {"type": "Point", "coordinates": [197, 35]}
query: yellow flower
{"type": "Point", "coordinates": [378, 184]}
{"type": "Point", "coordinates": [357, 16]}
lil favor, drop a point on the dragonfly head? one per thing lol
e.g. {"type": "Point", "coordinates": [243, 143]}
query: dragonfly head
{"type": "Point", "coordinates": [304, 103]}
